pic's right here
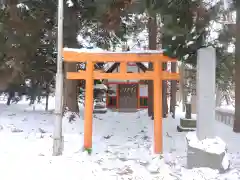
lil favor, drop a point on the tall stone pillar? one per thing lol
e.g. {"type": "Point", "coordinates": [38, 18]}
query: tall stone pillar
{"type": "Point", "coordinates": [206, 80]}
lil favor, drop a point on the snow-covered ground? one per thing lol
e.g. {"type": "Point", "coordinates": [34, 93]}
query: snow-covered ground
{"type": "Point", "coordinates": [122, 148]}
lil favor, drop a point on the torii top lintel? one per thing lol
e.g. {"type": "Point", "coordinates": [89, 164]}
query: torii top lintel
{"type": "Point", "coordinates": [75, 55]}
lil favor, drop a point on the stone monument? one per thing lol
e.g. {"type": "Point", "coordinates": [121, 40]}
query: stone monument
{"type": "Point", "coordinates": [204, 149]}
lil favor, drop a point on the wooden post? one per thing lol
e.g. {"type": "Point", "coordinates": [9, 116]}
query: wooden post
{"type": "Point", "coordinates": [88, 110]}
{"type": "Point", "coordinates": [157, 82]}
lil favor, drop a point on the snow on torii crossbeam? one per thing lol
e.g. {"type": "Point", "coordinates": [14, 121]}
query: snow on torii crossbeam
{"type": "Point", "coordinates": [157, 75]}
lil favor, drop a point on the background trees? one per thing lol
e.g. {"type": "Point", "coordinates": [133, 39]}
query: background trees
{"type": "Point", "coordinates": [28, 38]}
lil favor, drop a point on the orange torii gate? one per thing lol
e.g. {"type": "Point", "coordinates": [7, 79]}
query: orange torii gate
{"type": "Point", "coordinates": [157, 75]}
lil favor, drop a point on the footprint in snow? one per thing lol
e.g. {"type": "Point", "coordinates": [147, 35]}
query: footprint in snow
{"type": "Point", "coordinates": [16, 130]}
{"type": "Point", "coordinates": [168, 135]}
{"type": "Point", "coordinates": [125, 171]}
{"type": "Point", "coordinates": [25, 119]}
{"type": "Point", "coordinates": [42, 130]}
{"type": "Point", "coordinates": [145, 137]}
{"type": "Point", "coordinates": [107, 137]}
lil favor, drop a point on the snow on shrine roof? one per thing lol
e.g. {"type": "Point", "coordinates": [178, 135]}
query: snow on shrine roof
{"type": "Point", "coordinates": [108, 65]}
{"type": "Point", "coordinates": [100, 86]}
{"type": "Point", "coordinates": [146, 64]}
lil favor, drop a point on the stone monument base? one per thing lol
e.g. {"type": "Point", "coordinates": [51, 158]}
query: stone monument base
{"type": "Point", "coordinates": [210, 153]}
{"type": "Point", "coordinates": [183, 129]}
{"type": "Point", "coordinates": [187, 125]}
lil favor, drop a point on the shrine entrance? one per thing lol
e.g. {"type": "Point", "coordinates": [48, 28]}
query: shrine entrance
{"type": "Point", "coordinates": [128, 99]}
{"type": "Point", "coordinates": [157, 75]}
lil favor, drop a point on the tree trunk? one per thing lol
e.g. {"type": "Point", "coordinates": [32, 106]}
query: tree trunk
{"type": "Point", "coordinates": [182, 86]}
{"type": "Point", "coordinates": [70, 40]}
{"type": "Point", "coordinates": [227, 98]}
{"type": "Point", "coordinates": [152, 38]}
{"type": "Point", "coordinates": [70, 90]}
{"type": "Point", "coordinates": [10, 97]}
{"type": "Point", "coordinates": [47, 99]}
{"type": "Point", "coordinates": [34, 93]}
{"type": "Point", "coordinates": [164, 95]}
{"type": "Point", "coordinates": [164, 86]}
{"type": "Point", "coordinates": [236, 125]}
{"type": "Point", "coordinates": [173, 91]}
{"type": "Point", "coordinates": [218, 97]}
{"type": "Point", "coordinates": [150, 95]}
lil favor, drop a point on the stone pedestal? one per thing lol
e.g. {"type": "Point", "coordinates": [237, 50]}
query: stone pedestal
{"type": "Point", "coordinates": [210, 153]}
{"type": "Point", "coordinates": [187, 123]}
